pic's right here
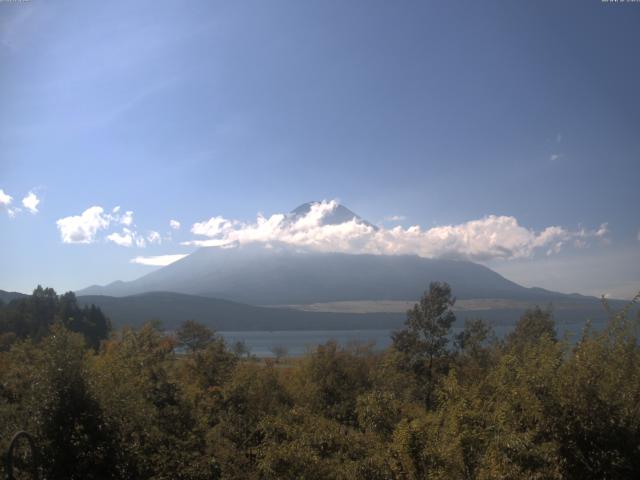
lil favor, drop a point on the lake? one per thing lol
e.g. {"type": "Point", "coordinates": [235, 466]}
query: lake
{"type": "Point", "coordinates": [298, 342]}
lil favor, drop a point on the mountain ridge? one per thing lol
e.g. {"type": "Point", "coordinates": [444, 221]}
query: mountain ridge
{"type": "Point", "coordinates": [280, 274]}
{"type": "Point", "coordinates": [259, 276]}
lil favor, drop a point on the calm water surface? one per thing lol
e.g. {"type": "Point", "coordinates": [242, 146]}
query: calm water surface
{"type": "Point", "coordinates": [298, 342]}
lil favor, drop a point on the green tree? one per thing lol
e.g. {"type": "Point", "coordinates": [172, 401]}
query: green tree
{"type": "Point", "coordinates": [279, 352]}
{"type": "Point", "coordinates": [194, 336]}
{"type": "Point", "coordinates": [241, 349]}
{"type": "Point", "coordinates": [251, 394]}
{"type": "Point", "coordinates": [476, 350]}
{"type": "Point", "coordinates": [75, 440]}
{"type": "Point", "coordinates": [31, 317]}
{"type": "Point", "coordinates": [300, 444]}
{"type": "Point", "coordinates": [534, 324]}
{"type": "Point", "coordinates": [89, 321]}
{"type": "Point", "coordinates": [424, 340]}
{"type": "Point", "coordinates": [597, 422]}
{"type": "Point", "coordinates": [330, 379]}
{"type": "Point", "coordinates": [135, 381]}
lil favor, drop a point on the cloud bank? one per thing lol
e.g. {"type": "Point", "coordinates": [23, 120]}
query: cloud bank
{"type": "Point", "coordinates": [491, 237]}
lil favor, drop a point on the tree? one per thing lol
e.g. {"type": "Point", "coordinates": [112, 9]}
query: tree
{"type": "Point", "coordinates": [473, 345]}
{"type": "Point", "coordinates": [330, 380]}
{"type": "Point", "coordinates": [241, 349]}
{"type": "Point", "coordinates": [534, 324]}
{"type": "Point", "coordinates": [75, 439]}
{"type": "Point", "coordinates": [597, 421]}
{"type": "Point", "coordinates": [279, 351]}
{"type": "Point", "coordinates": [89, 321]}
{"type": "Point", "coordinates": [253, 393]}
{"type": "Point", "coordinates": [135, 381]}
{"type": "Point", "coordinates": [194, 336]}
{"type": "Point", "coordinates": [426, 337]}
{"type": "Point", "coordinates": [32, 317]}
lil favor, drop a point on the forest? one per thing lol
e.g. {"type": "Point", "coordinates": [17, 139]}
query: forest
{"type": "Point", "coordinates": [145, 404]}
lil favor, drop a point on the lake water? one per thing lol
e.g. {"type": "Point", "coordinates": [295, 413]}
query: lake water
{"type": "Point", "coordinates": [298, 342]}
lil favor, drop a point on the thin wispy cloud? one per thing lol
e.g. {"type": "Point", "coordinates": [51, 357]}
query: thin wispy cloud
{"type": "Point", "coordinates": [158, 260]}
{"type": "Point", "coordinates": [491, 237]}
{"type": "Point", "coordinates": [154, 237]}
{"type": "Point", "coordinates": [395, 218]}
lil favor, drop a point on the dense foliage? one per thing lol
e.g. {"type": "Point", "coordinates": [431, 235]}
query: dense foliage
{"type": "Point", "coordinates": [32, 316]}
{"type": "Point", "coordinates": [432, 406]}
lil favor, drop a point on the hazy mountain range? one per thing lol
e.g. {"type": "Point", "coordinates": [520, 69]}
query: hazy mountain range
{"type": "Point", "coordinates": [6, 297]}
{"type": "Point", "coordinates": [271, 274]}
{"type": "Point", "coordinates": [230, 288]}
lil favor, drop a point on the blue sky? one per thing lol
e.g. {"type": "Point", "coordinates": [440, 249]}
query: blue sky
{"type": "Point", "coordinates": [441, 113]}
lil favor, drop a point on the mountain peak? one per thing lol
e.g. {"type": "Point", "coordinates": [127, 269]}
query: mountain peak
{"type": "Point", "coordinates": [340, 214]}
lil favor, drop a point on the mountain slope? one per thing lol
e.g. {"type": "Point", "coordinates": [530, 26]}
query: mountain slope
{"type": "Point", "coordinates": [6, 297]}
{"type": "Point", "coordinates": [173, 308]}
{"type": "Point", "coordinates": [260, 276]}
{"type": "Point", "coordinates": [286, 275]}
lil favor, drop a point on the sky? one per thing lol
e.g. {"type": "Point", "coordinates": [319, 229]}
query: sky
{"type": "Point", "coordinates": [507, 133]}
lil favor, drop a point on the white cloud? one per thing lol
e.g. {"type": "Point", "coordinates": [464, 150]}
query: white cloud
{"type": "Point", "coordinates": [5, 199]}
{"type": "Point", "coordinates": [602, 231]}
{"type": "Point", "coordinates": [127, 218]}
{"type": "Point", "coordinates": [157, 261]}
{"type": "Point", "coordinates": [30, 202]}
{"type": "Point", "coordinates": [556, 156]}
{"type": "Point", "coordinates": [83, 228]}
{"type": "Point", "coordinates": [124, 239]}
{"type": "Point", "coordinates": [174, 224]}
{"type": "Point", "coordinates": [395, 218]}
{"type": "Point", "coordinates": [212, 227]}
{"type": "Point", "coordinates": [483, 239]}
{"type": "Point", "coordinates": [5, 202]}
{"type": "Point", "coordinates": [154, 237]}
{"type": "Point", "coordinates": [127, 238]}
